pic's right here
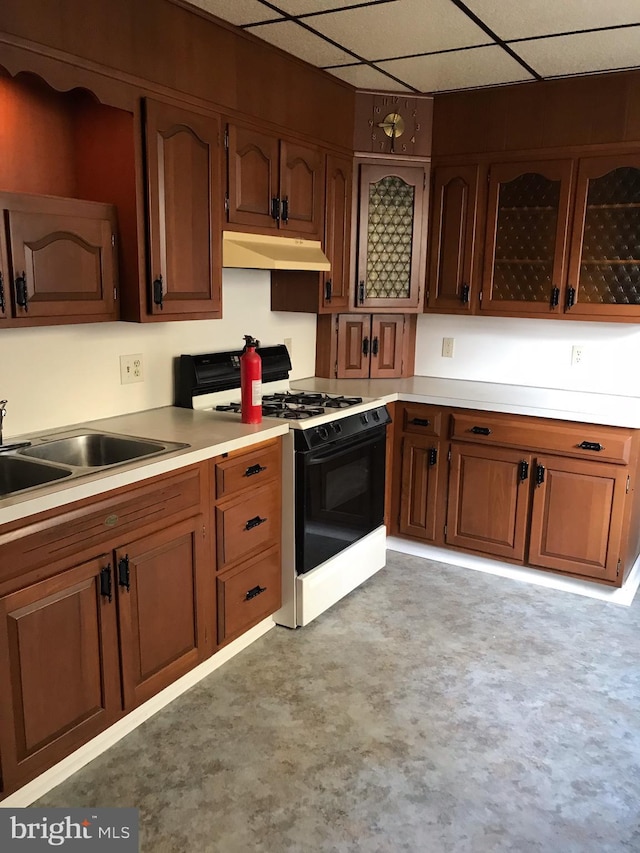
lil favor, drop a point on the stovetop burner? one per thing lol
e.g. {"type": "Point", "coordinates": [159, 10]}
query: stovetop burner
{"type": "Point", "coordinates": [296, 405]}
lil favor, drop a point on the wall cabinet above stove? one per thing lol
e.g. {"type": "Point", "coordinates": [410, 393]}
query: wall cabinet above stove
{"type": "Point", "coordinates": [273, 184]}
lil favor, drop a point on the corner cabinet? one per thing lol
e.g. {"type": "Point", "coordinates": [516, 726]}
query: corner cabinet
{"type": "Point", "coordinates": [359, 346]}
{"type": "Point", "coordinates": [58, 260]}
{"type": "Point", "coordinates": [273, 183]}
{"type": "Point", "coordinates": [391, 237]}
{"type": "Point", "coordinates": [452, 274]}
{"type": "Point", "coordinates": [184, 229]}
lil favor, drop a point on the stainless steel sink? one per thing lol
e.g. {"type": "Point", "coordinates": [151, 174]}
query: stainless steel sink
{"type": "Point", "coordinates": [17, 474]}
{"type": "Point", "coordinates": [97, 450]}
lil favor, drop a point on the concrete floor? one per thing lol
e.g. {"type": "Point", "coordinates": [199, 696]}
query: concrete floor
{"type": "Point", "coordinates": [435, 709]}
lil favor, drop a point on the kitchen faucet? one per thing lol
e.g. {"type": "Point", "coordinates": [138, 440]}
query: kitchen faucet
{"type": "Point", "coordinates": [3, 412]}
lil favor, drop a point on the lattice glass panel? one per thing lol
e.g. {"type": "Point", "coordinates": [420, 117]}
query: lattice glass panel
{"type": "Point", "coordinates": [390, 238]}
{"type": "Point", "coordinates": [610, 263]}
{"type": "Point", "coordinates": [526, 239]}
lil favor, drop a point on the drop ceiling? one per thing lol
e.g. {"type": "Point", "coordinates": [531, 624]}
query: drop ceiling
{"type": "Point", "coordinates": [433, 46]}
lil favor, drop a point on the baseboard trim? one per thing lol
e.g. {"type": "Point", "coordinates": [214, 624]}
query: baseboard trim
{"type": "Point", "coordinates": [623, 595]}
{"type": "Point", "coordinates": [72, 763]}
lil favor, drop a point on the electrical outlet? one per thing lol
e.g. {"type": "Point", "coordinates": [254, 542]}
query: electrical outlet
{"type": "Point", "coordinates": [577, 355]}
{"type": "Point", "coordinates": [447, 347]}
{"type": "Point", "coordinates": [131, 369]}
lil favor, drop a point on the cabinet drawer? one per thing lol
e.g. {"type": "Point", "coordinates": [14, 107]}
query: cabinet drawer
{"type": "Point", "coordinates": [248, 525]}
{"type": "Point", "coordinates": [248, 595]}
{"type": "Point", "coordinates": [45, 541]}
{"type": "Point", "coordinates": [421, 419]}
{"type": "Point", "coordinates": [249, 470]}
{"type": "Point", "coordinates": [586, 441]}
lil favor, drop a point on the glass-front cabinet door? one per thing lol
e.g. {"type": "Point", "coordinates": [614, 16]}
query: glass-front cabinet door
{"type": "Point", "coordinates": [604, 267]}
{"type": "Point", "coordinates": [391, 237]}
{"type": "Point", "coordinates": [526, 237]}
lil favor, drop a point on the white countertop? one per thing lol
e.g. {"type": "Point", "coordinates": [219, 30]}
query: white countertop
{"type": "Point", "coordinates": [206, 435]}
{"type": "Point", "coordinates": [585, 407]}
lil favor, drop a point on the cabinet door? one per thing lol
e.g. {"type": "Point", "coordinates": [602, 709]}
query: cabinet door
{"type": "Point", "coordinates": [387, 334]}
{"type": "Point", "coordinates": [184, 190]}
{"type": "Point", "coordinates": [63, 257]}
{"type": "Point", "coordinates": [354, 346]}
{"type": "Point", "coordinates": [162, 626]}
{"type": "Point", "coordinates": [391, 237]}
{"type": "Point", "coordinates": [604, 268]}
{"type": "Point", "coordinates": [301, 189]}
{"type": "Point", "coordinates": [577, 516]}
{"type": "Point", "coordinates": [526, 237]}
{"type": "Point", "coordinates": [421, 467]}
{"type": "Point", "coordinates": [253, 177]}
{"type": "Point", "coordinates": [59, 669]}
{"type": "Point", "coordinates": [488, 500]}
{"type": "Point", "coordinates": [452, 238]}
{"type": "Point", "coordinates": [337, 234]}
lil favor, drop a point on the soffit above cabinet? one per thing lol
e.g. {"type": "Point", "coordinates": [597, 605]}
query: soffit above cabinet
{"type": "Point", "coordinates": [444, 45]}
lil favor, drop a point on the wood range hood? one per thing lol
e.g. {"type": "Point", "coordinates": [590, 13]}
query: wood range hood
{"type": "Point", "coordinates": [267, 252]}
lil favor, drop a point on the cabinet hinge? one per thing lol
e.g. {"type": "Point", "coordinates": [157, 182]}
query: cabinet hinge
{"type": "Point", "coordinates": [335, 370]}
{"type": "Point", "coordinates": [115, 294]}
{"type": "Point", "coordinates": [113, 241]}
{"type": "Point", "coordinates": [424, 180]}
{"type": "Point", "coordinates": [204, 532]}
{"type": "Point", "coordinates": [618, 568]}
{"type": "Point", "coordinates": [226, 202]}
{"type": "Point", "coordinates": [628, 483]}
{"type": "Point", "coordinates": [445, 530]}
{"type": "Point", "coordinates": [226, 138]}
{"type": "Point", "coordinates": [488, 175]}
{"type": "Point", "coordinates": [449, 455]}
{"type": "Point", "coordinates": [480, 296]}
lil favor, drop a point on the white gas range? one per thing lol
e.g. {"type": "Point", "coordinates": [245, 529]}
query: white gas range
{"type": "Point", "coordinates": [333, 476]}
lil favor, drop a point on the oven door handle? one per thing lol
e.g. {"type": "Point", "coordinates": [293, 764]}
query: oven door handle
{"type": "Point", "coordinates": [341, 448]}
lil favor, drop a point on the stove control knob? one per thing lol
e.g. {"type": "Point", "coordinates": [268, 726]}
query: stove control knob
{"type": "Point", "coordinates": [336, 427]}
{"type": "Point", "coordinates": [375, 415]}
{"type": "Point", "coordinates": [322, 432]}
{"type": "Point", "coordinates": [364, 417]}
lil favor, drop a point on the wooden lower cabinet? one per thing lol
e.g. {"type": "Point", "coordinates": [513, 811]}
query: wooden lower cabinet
{"type": "Point", "coordinates": [59, 668]}
{"type": "Point", "coordinates": [421, 489]}
{"type": "Point", "coordinates": [488, 500]}
{"type": "Point", "coordinates": [548, 494]}
{"type": "Point", "coordinates": [577, 517]}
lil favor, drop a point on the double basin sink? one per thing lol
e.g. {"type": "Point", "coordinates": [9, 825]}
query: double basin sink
{"type": "Point", "coordinates": [51, 459]}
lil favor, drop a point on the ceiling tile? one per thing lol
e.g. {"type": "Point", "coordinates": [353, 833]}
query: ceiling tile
{"type": "Point", "coordinates": [480, 66]}
{"type": "Point", "coordinates": [365, 77]}
{"type": "Point", "coordinates": [239, 12]}
{"type": "Point", "coordinates": [304, 7]}
{"type": "Point", "coordinates": [300, 42]}
{"type": "Point", "coordinates": [583, 52]}
{"type": "Point", "coordinates": [511, 20]}
{"type": "Point", "coordinates": [400, 28]}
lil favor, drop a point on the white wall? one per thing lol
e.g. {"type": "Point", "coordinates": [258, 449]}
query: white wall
{"type": "Point", "coordinates": [532, 352]}
{"type": "Point", "coordinates": [55, 376]}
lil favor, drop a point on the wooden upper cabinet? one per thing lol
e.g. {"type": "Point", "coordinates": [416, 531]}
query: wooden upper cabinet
{"type": "Point", "coordinates": [4, 279]}
{"type": "Point", "coordinates": [184, 191]}
{"type": "Point", "coordinates": [604, 265]}
{"type": "Point", "coordinates": [63, 254]}
{"type": "Point", "coordinates": [274, 183]}
{"type": "Point", "coordinates": [391, 237]}
{"type": "Point", "coordinates": [337, 234]}
{"type": "Point", "coordinates": [374, 346]}
{"type": "Point", "coordinates": [451, 273]}
{"type": "Point", "coordinates": [525, 256]}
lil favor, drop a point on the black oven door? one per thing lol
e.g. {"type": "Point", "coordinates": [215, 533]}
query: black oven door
{"type": "Point", "coordinates": [339, 496]}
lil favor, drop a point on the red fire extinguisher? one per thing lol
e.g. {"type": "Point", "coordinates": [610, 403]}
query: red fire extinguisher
{"type": "Point", "coordinates": [251, 382]}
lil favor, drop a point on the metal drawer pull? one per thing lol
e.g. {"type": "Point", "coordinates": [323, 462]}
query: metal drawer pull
{"type": "Point", "coordinates": [480, 430]}
{"type": "Point", "coordinates": [254, 522]}
{"type": "Point", "coordinates": [591, 445]}
{"type": "Point", "coordinates": [254, 469]}
{"type": "Point", "coordinates": [420, 421]}
{"type": "Point", "coordinates": [257, 590]}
